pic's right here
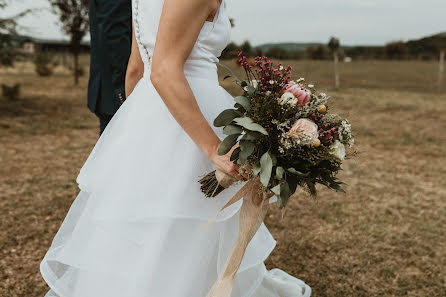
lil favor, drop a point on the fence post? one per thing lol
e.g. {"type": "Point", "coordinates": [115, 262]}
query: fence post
{"type": "Point", "coordinates": [441, 71]}
{"type": "Point", "coordinates": [336, 70]}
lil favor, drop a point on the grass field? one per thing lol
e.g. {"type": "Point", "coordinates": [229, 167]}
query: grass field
{"type": "Point", "coordinates": [385, 237]}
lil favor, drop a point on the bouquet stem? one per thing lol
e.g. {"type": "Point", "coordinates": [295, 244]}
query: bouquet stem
{"type": "Point", "coordinates": [215, 182]}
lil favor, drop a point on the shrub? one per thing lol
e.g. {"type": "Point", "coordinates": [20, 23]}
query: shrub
{"type": "Point", "coordinates": [42, 62]}
{"type": "Point", "coordinates": [11, 93]}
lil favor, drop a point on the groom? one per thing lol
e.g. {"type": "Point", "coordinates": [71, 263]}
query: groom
{"type": "Point", "coordinates": [111, 37]}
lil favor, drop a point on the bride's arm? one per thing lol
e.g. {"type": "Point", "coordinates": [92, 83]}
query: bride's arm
{"type": "Point", "coordinates": [135, 67]}
{"type": "Point", "coordinates": [180, 24]}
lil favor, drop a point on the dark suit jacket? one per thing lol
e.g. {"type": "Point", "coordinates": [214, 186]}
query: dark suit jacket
{"type": "Point", "coordinates": [111, 38]}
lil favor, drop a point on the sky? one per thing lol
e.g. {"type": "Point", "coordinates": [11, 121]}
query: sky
{"type": "Point", "coordinates": [355, 22]}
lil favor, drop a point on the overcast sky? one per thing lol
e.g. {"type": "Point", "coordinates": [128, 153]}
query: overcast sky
{"type": "Point", "coordinates": [260, 21]}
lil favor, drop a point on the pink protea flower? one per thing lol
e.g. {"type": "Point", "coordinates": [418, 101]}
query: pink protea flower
{"type": "Point", "coordinates": [304, 129]}
{"type": "Point", "coordinates": [303, 95]}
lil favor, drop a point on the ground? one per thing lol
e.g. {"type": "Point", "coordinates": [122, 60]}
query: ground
{"type": "Point", "coordinates": [385, 237]}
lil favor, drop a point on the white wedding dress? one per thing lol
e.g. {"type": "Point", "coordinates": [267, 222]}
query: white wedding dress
{"type": "Point", "coordinates": [138, 226]}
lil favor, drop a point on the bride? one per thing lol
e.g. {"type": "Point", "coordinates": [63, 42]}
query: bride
{"type": "Point", "coordinates": [137, 227]}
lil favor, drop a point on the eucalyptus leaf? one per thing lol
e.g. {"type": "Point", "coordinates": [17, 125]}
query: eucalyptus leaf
{"type": "Point", "coordinates": [276, 190]}
{"type": "Point", "coordinates": [285, 192]}
{"type": "Point", "coordinates": [248, 124]}
{"type": "Point", "coordinates": [311, 187]}
{"type": "Point", "coordinates": [231, 72]}
{"type": "Point", "coordinates": [298, 173]}
{"type": "Point", "coordinates": [247, 148]}
{"type": "Point", "coordinates": [227, 144]}
{"type": "Point", "coordinates": [243, 101]}
{"type": "Point", "coordinates": [266, 163]}
{"type": "Point", "coordinates": [256, 169]}
{"type": "Point", "coordinates": [232, 129]}
{"type": "Point", "coordinates": [235, 154]}
{"type": "Point", "coordinates": [274, 158]}
{"type": "Point", "coordinates": [279, 173]}
{"type": "Point", "coordinates": [226, 117]}
{"type": "Point", "coordinates": [251, 89]}
{"type": "Point", "coordinates": [251, 136]}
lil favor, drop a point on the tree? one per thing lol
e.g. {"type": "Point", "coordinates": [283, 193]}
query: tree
{"type": "Point", "coordinates": [246, 48]}
{"type": "Point", "coordinates": [334, 45]}
{"type": "Point", "coordinates": [230, 51]}
{"type": "Point", "coordinates": [8, 28]}
{"type": "Point", "coordinates": [396, 50]}
{"type": "Point", "coordinates": [278, 53]}
{"type": "Point", "coordinates": [317, 52]}
{"type": "Point", "coordinates": [73, 15]}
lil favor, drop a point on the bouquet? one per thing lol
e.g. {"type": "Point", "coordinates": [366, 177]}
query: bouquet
{"type": "Point", "coordinates": [286, 138]}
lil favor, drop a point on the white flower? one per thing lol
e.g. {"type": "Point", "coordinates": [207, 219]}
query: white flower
{"type": "Point", "coordinates": [281, 68]}
{"type": "Point", "coordinates": [271, 82]}
{"type": "Point", "coordinates": [338, 150]}
{"type": "Point", "coordinates": [288, 98]}
{"type": "Point", "coordinates": [311, 86]}
{"type": "Point", "coordinates": [268, 93]}
{"type": "Point", "coordinates": [300, 79]}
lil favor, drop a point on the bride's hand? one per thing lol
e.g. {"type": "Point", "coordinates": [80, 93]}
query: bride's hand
{"type": "Point", "coordinates": [224, 164]}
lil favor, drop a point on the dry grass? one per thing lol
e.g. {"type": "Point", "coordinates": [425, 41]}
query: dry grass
{"type": "Point", "coordinates": [386, 237]}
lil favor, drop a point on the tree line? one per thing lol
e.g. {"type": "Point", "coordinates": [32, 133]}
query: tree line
{"type": "Point", "coordinates": [427, 48]}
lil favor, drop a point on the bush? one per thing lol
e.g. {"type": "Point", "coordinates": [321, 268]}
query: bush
{"type": "Point", "coordinates": [11, 93]}
{"type": "Point", "coordinates": [42, 62]}
{"type": "Point", "coordinates": [80, 71]}
{"type": "Point", "coordinates": [396, 50]}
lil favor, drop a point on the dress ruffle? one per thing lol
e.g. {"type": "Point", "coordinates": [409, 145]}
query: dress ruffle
{"type": "Point", "coordinates": [174, 257]}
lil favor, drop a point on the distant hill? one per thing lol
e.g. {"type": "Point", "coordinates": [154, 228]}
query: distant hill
{"type": "Point", "coordinates": [427, 45]}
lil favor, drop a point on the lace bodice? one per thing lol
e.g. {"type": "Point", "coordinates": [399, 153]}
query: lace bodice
{"type": "Point", "coordinates": [212, 40]}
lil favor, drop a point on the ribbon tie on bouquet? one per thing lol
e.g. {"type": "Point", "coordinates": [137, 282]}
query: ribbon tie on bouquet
{"type": "Point", "coordinates": [252, 213]}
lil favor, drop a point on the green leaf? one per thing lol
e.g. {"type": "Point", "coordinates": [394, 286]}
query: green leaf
{"type": "Point", "coordinates": [251, 136]}
{"type": "Point", "coordinates": [266, 164]}
{"type": "Point", "coordinates": [285, 192]}
{"type": "Point", "coordinates": [279, 173]}
{"type": "Point", "coordinates": [226, 117]}
{"type": "Point", "coordinates": [311, 187]}
{"type": "Point", "coordinates": [232, 129]}
{"type": "Point", "coordinates": [274, 158]}
{"type": "Point", "coordinates": [251, 89]}
{"type": "Point", "coordinates": [248, 123]}
{"type": "Point", "coordinates": [276, 190]}
{"type": "Point", "coordinates": [230, 71]}
{"type": "Point", "coordinates": [298, 173]}
{"type": "Point", "coordinates": [235, 154]}
{"type": "Point", "coordinates": [256, 169]}
{"type": "Point", "coordinates": [247, 148]}
{"type": "Point", "coordinates": [243, 101]}
{"type": "Point", "coordinates": [227, 144]}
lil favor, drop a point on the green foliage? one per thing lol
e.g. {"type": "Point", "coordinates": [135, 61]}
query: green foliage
{"type": "Point", "coordinates": [334, 44]}
{"type": "Point", "coordinates": [8, 28]}
{"type": "Point", "coordinates": [396, 50]}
